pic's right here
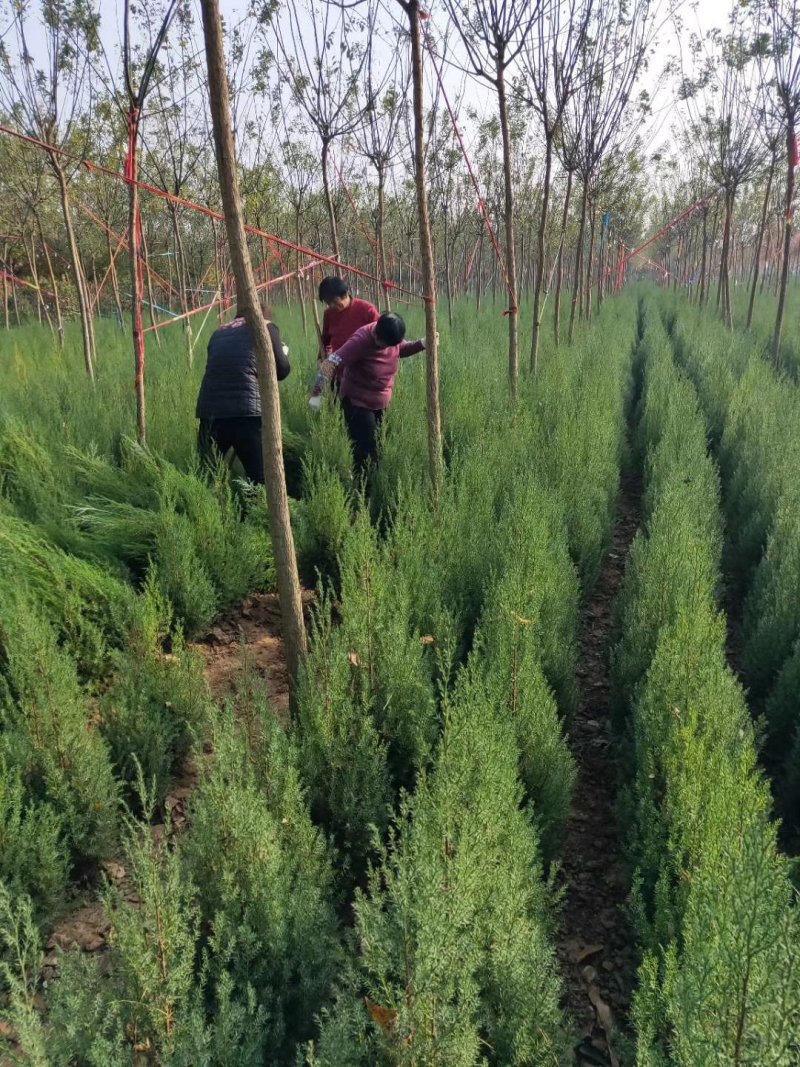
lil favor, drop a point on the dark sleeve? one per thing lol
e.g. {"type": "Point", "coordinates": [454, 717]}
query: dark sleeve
{"type": "Point", "coordinates": [282, 365]}
{"type": "Point", "coordinates": [326, 330]}
{"type": "Point", "coordinates": [411, 348]}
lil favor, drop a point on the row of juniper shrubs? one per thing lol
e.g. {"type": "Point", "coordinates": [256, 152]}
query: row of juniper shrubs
{"type": "Point", "coordinates": [754, 414]}
{"type": "Point", "coordinates": [713, 902]}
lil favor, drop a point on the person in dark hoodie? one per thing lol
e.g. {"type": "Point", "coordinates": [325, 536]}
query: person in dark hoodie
{"type": "Point", "coordinates": [229, 403]}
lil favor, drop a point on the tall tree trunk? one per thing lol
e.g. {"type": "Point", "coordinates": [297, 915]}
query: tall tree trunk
{"type": "Point", "coordinates": [184, 303]}
{"type": "Point", "coordinates": [479, 274]}
{"type": "Point", "coordinates": [576, 288]}
{"type": "Point", "coordinates": [301, 295]}
{"type": "Point", "coordinates": [602, 260]}
{"type": "Point", "coordinates": [326, 184]}
{"type": "Point", "coordinates": [53, 285]}
{"type": "Point", "coordinates": [135, 241]}
{"type": "Point", "coordinates": [294, 633]}
{"type": "Point", "coordinates": [759, 242]}
{"type": "Point", "coordinates": [590, 261]}
{"type": "Point", "coordinates": [540, 238]}
{"type": "Point", "coordinates": [448, 277]}
{"type": "Point", "coordinates": [114, 277]}
{"type": "Point", "coordinates": [15, 301]}
{"type": "Point", "coordinates": [41, 306]}
{"type": "Point", "coordinates": [380, 237]}
{"type": "Point", "coordinates": [511, 261]}
{"type": "Point", "coordinates": [151, 299]}
{"type": "Point", "coordinates": [787, 241]}
{"type": "Point", "coordinates": [723, 285]}
{"type": "Point", "coordinates": [435, 446]}
{"type": "Point", "coordinates": [84, 307]}
{"type": "Point", "coordinates": [711, 247]}
{"type": "Point", "coordinates": [560, 261]}
{"type": "Point", "coordinates": [704, 259]}
{"type": "Point", "coordinates": [6, 318]}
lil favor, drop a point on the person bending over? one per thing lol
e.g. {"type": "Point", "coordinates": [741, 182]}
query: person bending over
{"type": "Point", "coordinates": [368, 365]}
{"type": "Point", "coordinates": [229, 403]}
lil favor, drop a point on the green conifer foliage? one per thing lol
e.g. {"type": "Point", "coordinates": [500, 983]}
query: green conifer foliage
{"type": "Point", "coordinates": [713, 903]}
{"type": "Point", "coordinates": [391, 666]}
{"type": "Point", "coordinates": [321, 521]}
{"type": "Point", "coordinates": [772, 611]}
{"type": "Point", "coordinates": [33, 853]}
{"type": "Point", "coordinates": [453, 933]}
{"type": "Point", "coordinates": [49, 730]}
{"type": "Point", "coordinates": [343, 758]}
{"type": "Point", "coordinates": [265, 880]}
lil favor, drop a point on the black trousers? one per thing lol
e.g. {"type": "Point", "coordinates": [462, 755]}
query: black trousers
{"type": "Point", "coordinates": [362, 426]}
{"type": "Point", "coordinates": [242, 434]}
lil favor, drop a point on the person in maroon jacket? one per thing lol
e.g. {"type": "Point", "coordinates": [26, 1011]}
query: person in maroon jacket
{"type": "Point", "coordinates": [368, 364]}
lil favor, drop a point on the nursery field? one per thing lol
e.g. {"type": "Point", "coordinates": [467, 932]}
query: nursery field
{"type": "Point", "coordinates": [536, 802]}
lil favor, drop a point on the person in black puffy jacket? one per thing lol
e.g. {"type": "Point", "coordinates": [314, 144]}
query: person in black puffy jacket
{"type": "Point", "coordinates": [229, 404]}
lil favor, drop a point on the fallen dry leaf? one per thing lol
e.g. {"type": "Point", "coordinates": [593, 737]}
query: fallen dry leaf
{"type": "Point", "coordinates": [605, 1019]}
{"type": "Point", "coordinates": [386, 1018]}
{"type": "Point", "coordinates": [578, 952]}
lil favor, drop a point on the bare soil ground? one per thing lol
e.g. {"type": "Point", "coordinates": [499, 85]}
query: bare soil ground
{"type": "Point", "coordinates": [596, 948]}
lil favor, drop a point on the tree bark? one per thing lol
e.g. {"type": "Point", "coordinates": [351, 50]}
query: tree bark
{"type": "Point", "coordinates": [380, 236]}
{"type": "Point", "coordinates": [5, 288]}
{"type": "Point", "coordinates": [787, 242]}
{"type": "Point", "coordinates": [84, 307]}
{"type": "Point", "coordinates": [723, 286]}
{"type": "Point", "coordinates": [511, 260]}
{"type": "Point", "coordinates": [53, 285]}
{"type": "Point", "coordinates": [590, 261]}
{"type": "Point", "coordinates": [576, 289]}
{"type": "Point", "coordinates": [183, 282]}
{"type": "Point", "coordinates": [704, 259]}
{"type": "Point", "coordinates": [448, 276]}
{"type": "Point", "coordinates": [326, 184]}
{"type": "Point", "coordinates": [294, 633]}
{"type": "Point", "coordinates": [540, 237]}
{"type": "Point", "coordinates": [435, 447]}
{"type": "Point", "coordinates": [560, 261]}
{"type": "Point", "coordinates": [114, 278]}
{"type": "Point", "coordinates": [137, 280]}
{"type": "Point", "coordinates": [41, 306]}
{"type": "Point", "coordinates": [151, 300]}
{"type": "Point", "coordinates": [759, 243]}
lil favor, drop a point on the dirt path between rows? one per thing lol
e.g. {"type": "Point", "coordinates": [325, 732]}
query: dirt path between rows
{"type": "Point", "coordinates": [245, 639]}
{"type": "Point", "coordinates": [596, 950]}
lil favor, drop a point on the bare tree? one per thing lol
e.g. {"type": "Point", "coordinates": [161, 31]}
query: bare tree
{"type": "Point", "coordinates": [616, 47]}
{"type": "Point", "coordinates": [52, 103]}
{"type": "Point", "coordinates": [173, 141]}
{"type": "Point", "coordinates": [277, 499]}
{"type": "Point", "coordinates": [720, 99]}
{"type": "Point", "coordinates": [779, 23]}
{"type": "Point", "coordinates": [136, 97]}
{"type": "Point", "coordinates": [773, 146]}
{"type": "Point", "coordinates": [435, 446]}
{"type": "Point", "coordinates": [494, 33]}
{"type": "Point", "coordinates": [384, 109]}
{"type": "Point", "coordinates": [551, 64]}
{"type": "Point", "coordinates": [323, 74]}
